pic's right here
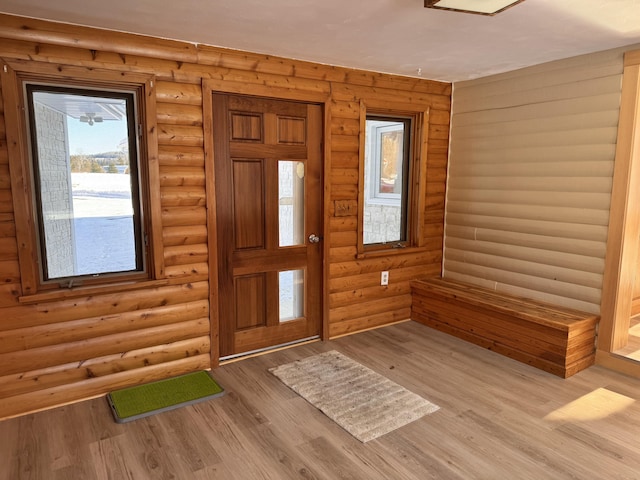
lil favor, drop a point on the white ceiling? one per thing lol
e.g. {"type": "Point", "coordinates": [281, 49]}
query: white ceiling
{"type": "Point", "coordinates": [393, 36]}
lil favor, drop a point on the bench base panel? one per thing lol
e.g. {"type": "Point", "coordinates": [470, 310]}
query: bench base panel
{"type": "Point", "coordinates": [563, 346]}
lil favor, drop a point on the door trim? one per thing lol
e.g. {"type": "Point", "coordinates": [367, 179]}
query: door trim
{"type": "Point", "coordinates": [623, 241]}
{"type": "Point", "coordinates": [209, 87]}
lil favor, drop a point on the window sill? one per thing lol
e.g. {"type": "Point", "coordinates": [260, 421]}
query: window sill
{"type": "Point", "coordinates": [83, 291]}
{"type": "Point", "coordinates": [390, 251]}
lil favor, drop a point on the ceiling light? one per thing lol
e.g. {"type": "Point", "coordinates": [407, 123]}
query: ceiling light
{"type": "Point", "coordinates": [90, 118]}
{"type": "Point", "coordinates": [481, 7]}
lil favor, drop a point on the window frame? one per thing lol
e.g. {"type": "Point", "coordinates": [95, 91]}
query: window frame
{"type": "Point", "coordinates": [416, 169]}
{"type": "Point", "coordinates": [16, 75]}
{"type": "Point", "coordinates": [375, 196]}
{"type": "Point", "coordinates": [139, 228]}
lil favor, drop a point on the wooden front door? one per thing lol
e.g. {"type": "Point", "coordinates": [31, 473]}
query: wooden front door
{"type": "Point", "coordinates": [269, 221]}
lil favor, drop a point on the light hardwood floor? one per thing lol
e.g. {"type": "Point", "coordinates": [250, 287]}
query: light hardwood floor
{"type": "Point", "coordinates": [499, 419]}
{"type": "Point", "coordinates": [632, 350]}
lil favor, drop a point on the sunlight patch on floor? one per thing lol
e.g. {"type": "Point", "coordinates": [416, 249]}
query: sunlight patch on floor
{"type": "Point", "coordinates": [634, 332]}
{"type": "Point", "coordinates": [596, 405]}
{"type": "Point", "coordinates": [635, 355]}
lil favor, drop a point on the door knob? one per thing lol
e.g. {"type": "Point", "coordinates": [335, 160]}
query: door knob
{"type": "Point", "coordinates": [313, 238]}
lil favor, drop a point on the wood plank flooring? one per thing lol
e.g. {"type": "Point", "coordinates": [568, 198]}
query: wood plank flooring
{"type": "Point", "coordinates": [632, 350]}
{"type": "Point", "coordinates": [499, 419]}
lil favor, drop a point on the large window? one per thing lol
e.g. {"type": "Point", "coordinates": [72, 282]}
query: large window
{"type": "Point", "coordinates": [85, 174]}
{"type": "Point", "coordinates": [82, 147]}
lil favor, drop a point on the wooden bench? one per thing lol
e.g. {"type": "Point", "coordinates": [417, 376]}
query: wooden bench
{"type": "Point", "coordinates": [555, 339]}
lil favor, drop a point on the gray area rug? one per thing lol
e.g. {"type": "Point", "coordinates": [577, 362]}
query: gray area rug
{"type": "Point", "coordinates": [363, 402]}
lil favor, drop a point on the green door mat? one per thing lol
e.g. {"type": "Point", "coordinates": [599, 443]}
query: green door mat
{"type": "Point", "coordinates": [144, 400]}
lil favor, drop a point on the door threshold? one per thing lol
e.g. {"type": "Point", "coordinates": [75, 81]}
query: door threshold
{"type": "Point", "coordinates": [261, 351]}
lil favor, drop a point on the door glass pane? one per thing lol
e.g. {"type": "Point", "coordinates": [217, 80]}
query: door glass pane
{"type": "Point", "coordinates": [291, 294]}
{"type": "Point", "coordinates": [291, 202]}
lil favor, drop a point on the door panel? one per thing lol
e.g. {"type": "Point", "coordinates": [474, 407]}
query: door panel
{"type": "Point", "coordinates": [248, 176]}
{"type": "Point", "coordinates": [246, 126]}
{"type": "Point", "coordinates": [250, 298]}
{"type": "Point", "coordinates": [291, 130]}
{"type": "Point", "coordinates": [269, 200]}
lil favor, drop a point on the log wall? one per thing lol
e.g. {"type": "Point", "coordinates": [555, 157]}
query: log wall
{"type": "Point", "coordinates": [69, 346]}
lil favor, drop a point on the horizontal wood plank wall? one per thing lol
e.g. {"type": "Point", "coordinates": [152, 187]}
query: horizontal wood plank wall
{"type": "Point", "coordinates": [60, 350]}
{"type": "Point", "coordinates": [357, 301]}
{"type": "Point", "coordinates": [530, 179]}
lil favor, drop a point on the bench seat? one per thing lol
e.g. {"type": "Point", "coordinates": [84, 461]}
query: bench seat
{"type": "Point", "coordinates": [558, 340]}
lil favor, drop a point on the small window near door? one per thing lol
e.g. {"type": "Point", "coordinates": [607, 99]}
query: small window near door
{"type": "Point", "coordinates": [387, 170]}
{"type": "Point", "coordinates": [86, 182]}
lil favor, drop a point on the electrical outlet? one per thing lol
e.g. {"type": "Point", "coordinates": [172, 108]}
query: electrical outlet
{"type": "Point", "coordinates": [384, 278]}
